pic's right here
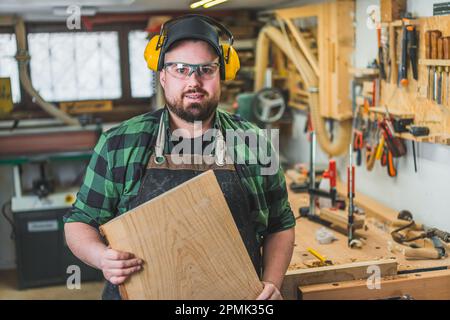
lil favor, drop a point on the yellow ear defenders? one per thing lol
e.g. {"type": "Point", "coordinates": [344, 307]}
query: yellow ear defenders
{"type": "Point", "coordinates": [228, 59]}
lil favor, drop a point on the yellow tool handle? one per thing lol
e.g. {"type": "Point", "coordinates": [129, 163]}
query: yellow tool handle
{"type": "Point", "coordinates": [317, 255]}
{"type": "Point", "coordinates": [380, 148]}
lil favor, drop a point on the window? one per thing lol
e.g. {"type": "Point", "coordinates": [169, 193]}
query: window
{"type": "Point", "coordinates": [75, 66]}
{"type": "Point", "coordinates": [8, 65]}
{"type": "Point", "coordinates": [142, 78]}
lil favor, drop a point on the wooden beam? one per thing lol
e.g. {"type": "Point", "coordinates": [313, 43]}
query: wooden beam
{"type": "Point", "coordinates": [300, 12]}
{"type": "Point", "coordinates": [433, 285]}
{"type": "Point", "coordinates": [343, 272]}
{"type": "Point", "coordinates": [340, 218]}
{"type": "Point", "coordinates": [303, 46]}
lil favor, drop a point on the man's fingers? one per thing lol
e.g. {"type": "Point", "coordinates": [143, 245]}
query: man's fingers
{"type": "Point", "coordinates": [276, 296]}
{"type": "Point", "coordinates": [118, 255]}
{"type": "Point", "coordinates": [123, 272]}
{"type": "Point", "coordinates": [266, 293]}
{"type": "Point", "coordinates": [117, 280]}
{"type": "Point", "coordinates": [122, 264]}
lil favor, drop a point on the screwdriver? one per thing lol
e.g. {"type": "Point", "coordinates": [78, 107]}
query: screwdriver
{"type": "Point", "coordinates": [428, 56]}
{"type": "Point", "coordinates": [440, 56]}
{"type": "Point", "coordinates": [446, 45]}
{"type": "Point", "coordinates": [435, 35]}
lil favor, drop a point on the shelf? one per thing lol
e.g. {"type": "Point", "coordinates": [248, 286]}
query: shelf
{"type": "Point", "coordinates": [435, 62]}
{"type": "Point", "coordinates": [393, 112]}
{"type": "Point", "coordinates": [432, 138]}
{"type": "Point", "coordinates": [363, 72]}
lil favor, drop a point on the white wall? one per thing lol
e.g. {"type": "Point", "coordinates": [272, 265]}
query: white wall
{"type": "Point", "coordinates": [426, 193]}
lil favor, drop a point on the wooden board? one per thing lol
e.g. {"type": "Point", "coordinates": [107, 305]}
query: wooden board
{"type": "Point", "coordinates": [340, 218]}
{"type": "Point", "coordinates": [190, 245]}
{"type": "Point", "coordinates": [420, 286]}
{"type": "Point", "coordinates": [343, 272]}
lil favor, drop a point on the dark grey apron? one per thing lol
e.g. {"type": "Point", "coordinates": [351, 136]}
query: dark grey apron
{"type": "Point", "coordinates": [162, 174]}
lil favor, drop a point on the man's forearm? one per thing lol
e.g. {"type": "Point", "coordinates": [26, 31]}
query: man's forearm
{"type": "Point", "coordinates": [277, 254]}
{"type": "Point", "coordinates": [85, 243]}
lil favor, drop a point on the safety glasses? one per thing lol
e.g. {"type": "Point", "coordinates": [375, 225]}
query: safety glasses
{"type": "Point", "coordinates": [183, 71]}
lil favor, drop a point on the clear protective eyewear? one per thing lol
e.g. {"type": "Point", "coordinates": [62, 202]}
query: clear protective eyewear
{"type": "Point", "coordinates": [183, 71]}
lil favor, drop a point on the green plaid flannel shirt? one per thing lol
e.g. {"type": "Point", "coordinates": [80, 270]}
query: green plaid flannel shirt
{"type": "Point", "coordinates": [114, 173]}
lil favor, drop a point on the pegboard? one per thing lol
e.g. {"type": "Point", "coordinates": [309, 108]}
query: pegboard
{"type": "Point", "coordinates": [412, 99]}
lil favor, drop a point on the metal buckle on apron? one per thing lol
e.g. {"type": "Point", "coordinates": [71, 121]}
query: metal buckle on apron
{"type": "Point", "coordinates": [160, 142]}
{"type": "Point", "coordinates": [220, 149]}
{"type": "Point", "coordinates": [219, 152]}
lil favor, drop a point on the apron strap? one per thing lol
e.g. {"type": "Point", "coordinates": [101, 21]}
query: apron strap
{"type": "Point", "coordinates": [219, 150]}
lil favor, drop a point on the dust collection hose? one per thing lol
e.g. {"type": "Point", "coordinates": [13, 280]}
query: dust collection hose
{"type": "Point", "coordinates": [339, 145]}
{"type": "Point", "coordinates": [23, 59]}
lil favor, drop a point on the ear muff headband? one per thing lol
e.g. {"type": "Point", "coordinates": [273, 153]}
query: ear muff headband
{"type": "Point", "coordinates": [229, 60]}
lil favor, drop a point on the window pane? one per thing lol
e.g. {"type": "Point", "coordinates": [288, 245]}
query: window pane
{"type": "Point", "coordinates": [142, 78]}
{"type": "Point", "coordinates": [8, 65]}
{"type": "Point", "coordinates": [75, 66]}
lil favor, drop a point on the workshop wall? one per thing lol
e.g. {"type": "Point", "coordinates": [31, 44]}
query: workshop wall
{"type": "Point", "coordinates": [424, 193]}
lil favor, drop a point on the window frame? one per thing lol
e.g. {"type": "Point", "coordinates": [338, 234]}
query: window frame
{"type": "Point", "coordinates": [26, 103]}
{"type": "Point", "coordinates": [23, 95]}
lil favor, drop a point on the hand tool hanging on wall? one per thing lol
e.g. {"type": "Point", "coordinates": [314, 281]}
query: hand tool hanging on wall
{"type": "Point", "coordinates": [435, 35]}
{"type": "Point", "coordinates": [358, 143]}
{"type": "Point", "coordinates": [372, 146]}
{"type": "Point", "coordinates": [391, 167]}
{"type": "Point", "coordinates": [428, 56]}
{"type": "Point", "coordinates": [395, 144]}
{"type": "Point", "coordinates": [412, 49]}
{"type": "Point", "coordinates": [409, 52]}
{"type": "Point", "coordinates": [440, 56]}
{"type": "Point", "coordinates": [403, 66]}
{"type": "Point", "coordinates": [380, 54]}
{"type": "Point", "coordinates": [405, 125]}
{"type": "Point", "coordinates": [446, 47]}
{"type": "Point", "coordinates": [351, 195]}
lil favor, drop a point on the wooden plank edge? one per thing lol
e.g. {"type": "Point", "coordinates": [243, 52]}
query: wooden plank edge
{"type": "Point", "coordinates": [343, 272]}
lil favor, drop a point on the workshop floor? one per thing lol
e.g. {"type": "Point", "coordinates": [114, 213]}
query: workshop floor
{"type": "Point", "coordinates": [9, 291]}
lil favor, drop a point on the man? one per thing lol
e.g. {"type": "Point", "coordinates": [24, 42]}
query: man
{"type": "Point", "coordinates": [135, 162]}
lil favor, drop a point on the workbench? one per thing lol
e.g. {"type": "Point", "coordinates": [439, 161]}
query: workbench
{"type": "Point", "coordinates": [346, 278]}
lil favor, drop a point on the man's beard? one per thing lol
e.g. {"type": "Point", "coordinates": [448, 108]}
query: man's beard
{"type": "Point", "coordinates": [194, 111]}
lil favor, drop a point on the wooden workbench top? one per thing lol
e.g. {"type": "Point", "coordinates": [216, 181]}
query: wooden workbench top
{"type": "Point", "coordinates": [375, 248]}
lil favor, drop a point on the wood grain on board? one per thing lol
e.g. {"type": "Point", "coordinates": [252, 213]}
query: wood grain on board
{"type": "Point", "coordinates": [190, 245]}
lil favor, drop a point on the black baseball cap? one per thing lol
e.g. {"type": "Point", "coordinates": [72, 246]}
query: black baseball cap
{"type": "Point", "coordinates": [190, 28]}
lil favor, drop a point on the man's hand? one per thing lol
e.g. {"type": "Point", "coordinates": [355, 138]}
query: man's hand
{"type": "Point", "coordinates": [270, 292]}
{"type": "Point", "coordinates": [117, 266]}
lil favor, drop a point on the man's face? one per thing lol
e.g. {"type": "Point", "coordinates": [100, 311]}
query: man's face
{"type": "Point", "coordinates": [194, 98]}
